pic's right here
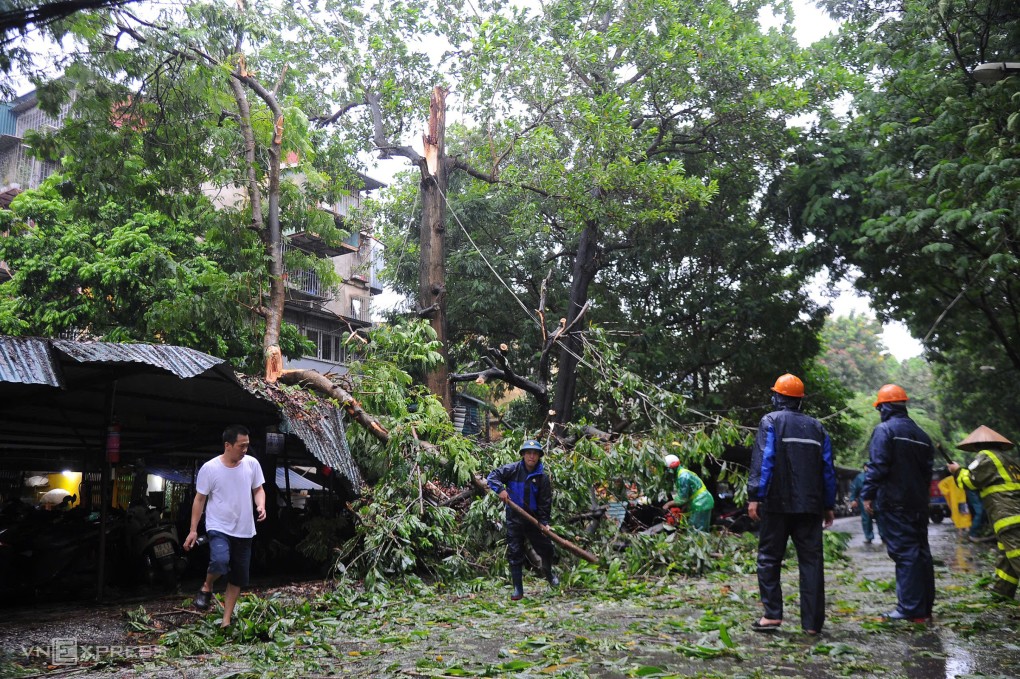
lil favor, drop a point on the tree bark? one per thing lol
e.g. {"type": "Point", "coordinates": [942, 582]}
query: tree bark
{"type": "Point", "coordinates": [584, 270]}
{"type": "Point", "coordinates": [432, 271]}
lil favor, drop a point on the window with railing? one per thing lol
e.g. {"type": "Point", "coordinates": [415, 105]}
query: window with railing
{"type": "Point", "coordinates": [360, 308]}
{"type": "Point", "coordinates": [348, 204]}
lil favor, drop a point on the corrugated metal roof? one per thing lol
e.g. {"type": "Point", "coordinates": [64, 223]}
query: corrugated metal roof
{"type": "Point", "coordinates": [154, 406]}
{"type": "Point", "coordinates": [181, 361]}
{"type": "Point", "coordinates": [27, 360]}
{"type": "Point", "coordinates": [324, 432]}
{"type": "Point", "coordinates": [320, 426]}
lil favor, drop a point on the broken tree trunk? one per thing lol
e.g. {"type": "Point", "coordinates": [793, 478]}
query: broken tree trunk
{"type": "Point", "coordinates": [432, 241]}
{"type": "Point", "coordinates": [562, 542]}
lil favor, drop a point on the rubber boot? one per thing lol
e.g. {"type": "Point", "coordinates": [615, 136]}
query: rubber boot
{"type": "Point", "coordinates": [517, 576]}
{"type": "Point", "coordinates": [549, 575]}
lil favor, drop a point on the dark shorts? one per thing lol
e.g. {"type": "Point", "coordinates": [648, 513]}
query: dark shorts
{"type": "Point", "coordinates": [230, 556]}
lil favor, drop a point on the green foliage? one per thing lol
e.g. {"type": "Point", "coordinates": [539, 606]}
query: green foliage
{"type": "Point", "coordinates": [397, 538]}
{"type": "Point", "coordinates": [141, 266]}
{"type": "Point", "coordinates": [629, 128]}
{"type": "Point", "coordinates": [854, 353]}
{"type": "Point", "coordinates": [834, 546]}
{"type": "Point", "coordinates": [829, 401]}
{"type": "Point", "coordinates": [688, 552]}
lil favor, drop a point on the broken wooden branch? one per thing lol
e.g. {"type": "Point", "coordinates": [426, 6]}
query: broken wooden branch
{"type": "Point", "coordinates": [324, 385]}
{"type": "Point", "coordinates": [562, 542]}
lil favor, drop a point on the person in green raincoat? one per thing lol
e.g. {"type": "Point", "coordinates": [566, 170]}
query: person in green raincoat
{"type": "Point", "coordinates": [691, 495]}
{"type": "Point", "coordinates": [995, 474]}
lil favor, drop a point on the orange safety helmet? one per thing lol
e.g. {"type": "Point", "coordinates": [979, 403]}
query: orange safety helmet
{"type": "Point", "coordinates": [789, 385]}
{"type": "Point", "coordinates": [891, 393]}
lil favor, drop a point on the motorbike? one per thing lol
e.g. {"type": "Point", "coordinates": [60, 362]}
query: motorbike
{"type": "Point", "coordinates": [53, 552]}
{"type": "Point", "coordinates": [155, 550]}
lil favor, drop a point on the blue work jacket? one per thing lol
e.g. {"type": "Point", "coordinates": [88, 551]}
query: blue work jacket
{"type": "Point", "coordinates": [792, 470]}
{"type": "Point", "coordinates": [532, 492]}
{"type": "Point", "coordinates": [898, 477]}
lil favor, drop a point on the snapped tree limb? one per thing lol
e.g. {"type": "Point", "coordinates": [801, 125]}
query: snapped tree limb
{"type": "Point", "coordinates": [324, 385]}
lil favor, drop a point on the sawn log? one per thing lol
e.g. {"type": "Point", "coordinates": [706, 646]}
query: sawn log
{"type": "Point", "coordinates": [562, 542]}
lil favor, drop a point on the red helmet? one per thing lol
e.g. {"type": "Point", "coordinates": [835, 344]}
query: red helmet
{"type": "Point", "coordinates": [789, 385]}
{"type": "Point", "coordinates": [890, 393]}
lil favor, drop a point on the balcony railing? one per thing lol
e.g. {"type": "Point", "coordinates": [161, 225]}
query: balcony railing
{"type": "Point", "coordinates": [305, 281]}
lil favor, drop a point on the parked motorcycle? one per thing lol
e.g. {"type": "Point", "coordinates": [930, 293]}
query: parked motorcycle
{"type": "Point", "coordinates": [155, 551]}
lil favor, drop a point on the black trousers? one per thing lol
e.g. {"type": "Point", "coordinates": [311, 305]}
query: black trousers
{"type": "Point", "coordinates": [806, 530]}
{"type": "Point", "coordinates": [519, 531]}
{"type": "Point", "coordinates": [906, 541]}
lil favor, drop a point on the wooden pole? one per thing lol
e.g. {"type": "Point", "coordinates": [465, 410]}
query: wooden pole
{"type": "Point", "coordinates": [562, 542]}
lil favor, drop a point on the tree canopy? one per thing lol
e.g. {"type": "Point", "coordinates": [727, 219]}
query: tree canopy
{"type": "Point", "coordinates": [626, 155]}
{"type": "Point", "coordinates": [917, 184]}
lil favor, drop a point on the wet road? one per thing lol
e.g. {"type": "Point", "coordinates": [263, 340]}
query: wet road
{"type": "Point", "coordinates": [972, 636]}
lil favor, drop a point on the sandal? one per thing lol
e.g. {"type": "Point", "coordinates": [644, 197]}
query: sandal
{"type": "Point", "coordinates": [759, 626]}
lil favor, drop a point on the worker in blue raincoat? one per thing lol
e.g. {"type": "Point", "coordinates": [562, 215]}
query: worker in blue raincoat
{"type": "Point", "coordinates": [526, 484]}
{"type": "Point", "coordinates": [897, 484]}
{"type": "Point", "coordinates": [792, 490]}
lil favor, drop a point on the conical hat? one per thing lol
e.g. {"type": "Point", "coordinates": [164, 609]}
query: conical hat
{"type": "Point", "coordinates": [982, 436]}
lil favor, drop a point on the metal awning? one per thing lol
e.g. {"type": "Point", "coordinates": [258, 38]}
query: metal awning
{"type": "Point", "coordinates": [59, 397]}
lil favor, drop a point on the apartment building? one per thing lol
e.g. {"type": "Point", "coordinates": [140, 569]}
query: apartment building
{"type": "Point", "coordinates": [332, 318]}
{"type": "Point", "coordinates": [327, 317]}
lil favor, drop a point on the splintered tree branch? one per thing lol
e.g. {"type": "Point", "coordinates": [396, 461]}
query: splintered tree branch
{"type": "Point", "coordinates": [322, 384]}
{"type": "Point", "coordinates": [387, 148]}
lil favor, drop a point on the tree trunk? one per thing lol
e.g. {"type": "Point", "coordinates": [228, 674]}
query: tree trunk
{"type": "Point", "coordinates": [585, 268]}
{"type": "Point", "coordinates": [432, 271]}
{"type": "Point", "coordinates": [269, 228]}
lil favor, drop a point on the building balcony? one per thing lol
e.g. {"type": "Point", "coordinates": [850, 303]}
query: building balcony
{"type": "Point", "coordinates": [312, 243]}
{"type": "Point", "coordinates": [304, 284]}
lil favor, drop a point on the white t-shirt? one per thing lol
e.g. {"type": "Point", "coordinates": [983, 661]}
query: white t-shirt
{"type": "Point", "coordinates": [228, 508]}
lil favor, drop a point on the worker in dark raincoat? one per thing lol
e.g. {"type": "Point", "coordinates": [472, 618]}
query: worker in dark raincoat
{"type": "Point", "coordinates": [995, 474]}
{"type": "Point", "coordinates": [868, 522]}
{"type": "Point", "coordinates": [528, 486]}
{"type": "Point", "coordinates": [897, 484]}
{"type": "Point", "coordinates": [792, 490]}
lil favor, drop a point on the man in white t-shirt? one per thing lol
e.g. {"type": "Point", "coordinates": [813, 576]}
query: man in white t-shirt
{"type": "Point", "coordinates": [225, 488]}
